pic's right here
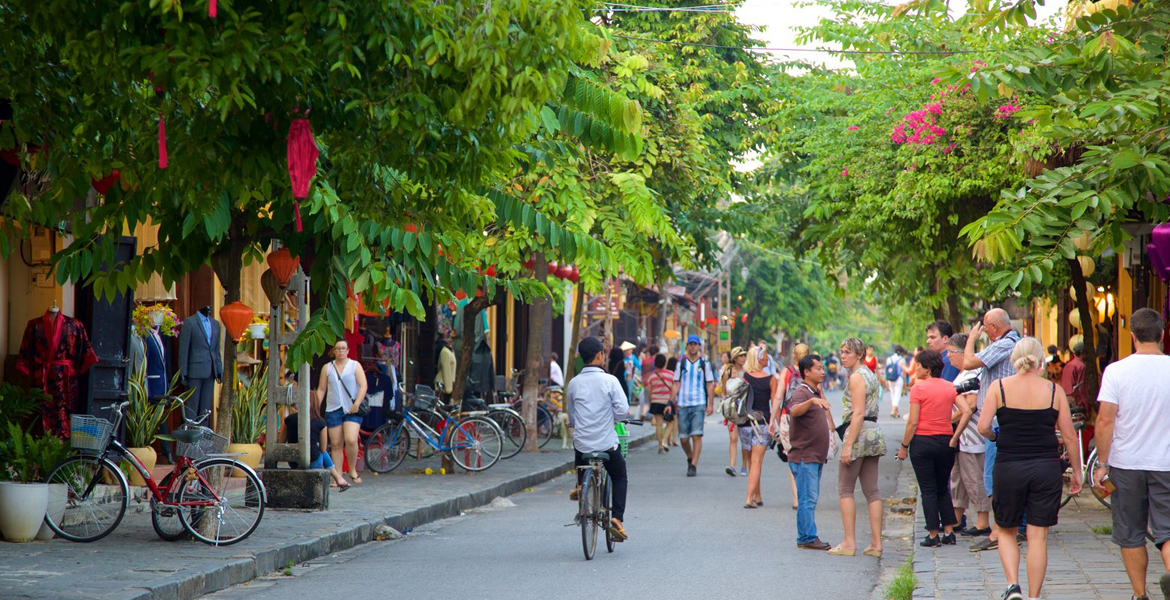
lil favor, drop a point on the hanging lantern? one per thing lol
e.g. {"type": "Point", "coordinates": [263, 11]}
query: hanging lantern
{"type": "Point", "coordinates": [529, 264]}
{"type": "Point", "coordinates": [236, 317]}
{"type": "Point", "coordinates": [553, 268]}
{"type": "Point", "coordinates": [1073, 340]}
{"type": "Point", "coordinates": [284, 265]}
{"type": "Point", "coordinates": [211, 9]}
{"type": "Point", "coordinates": [104, 184]}
{"type": "Point", "coordinates": [490, 272]}
{"type": "Point", "coordinates": [272, 288]}
{"type": "Point", "coordinates": [564, 272]}
{"type": "Point", "coordinates": [1088, 265]}
{"type": "Point", "coordinates": [1074, 319]}
{"type": "Point", "coordinates": [162, 142]}
{"type": "Point", "coordinates": [574, 274]}
{"type": "Point", "coordinates": [1082, 241]}
{"type": "Point", "coordinates": [302, 163]}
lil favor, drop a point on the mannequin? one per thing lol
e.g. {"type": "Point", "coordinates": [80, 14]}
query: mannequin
{"type": "Point", "coordinates": [54, 352]}
{"type": "Point", "coordinates": [200, 362]}
{"type": "Point", "coordinates": [148, 351]}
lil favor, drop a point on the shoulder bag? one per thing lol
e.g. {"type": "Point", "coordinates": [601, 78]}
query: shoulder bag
{"type": "Point", "coordinates": [362, 410]}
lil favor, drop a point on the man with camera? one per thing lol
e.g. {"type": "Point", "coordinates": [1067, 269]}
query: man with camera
{"type": "Point", "coordinates": [967, 491]}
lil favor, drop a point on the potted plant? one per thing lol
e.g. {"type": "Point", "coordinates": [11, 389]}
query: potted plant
{"type": "Point", "coordinates": [248, 419]}
{"type": "Point", "coordinates": [143, 419]}
{"type": "Point", "coordinates": [24, 499]}
{"type": "Point", "coordinates": [16, 403]}
{"type": "Point", "coordinates": [48, 452]}
{"type": "Point", "coordinates": [258, 328]}
{"type": "Point", "coordinates": [158, 315]}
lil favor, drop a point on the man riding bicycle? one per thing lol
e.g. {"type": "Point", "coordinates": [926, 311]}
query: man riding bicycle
{"type": "Point", "coordinates": [595, 403]}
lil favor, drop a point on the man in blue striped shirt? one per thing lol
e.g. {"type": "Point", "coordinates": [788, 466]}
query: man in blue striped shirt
{"type": "Point", "coordinates": [694, 387]}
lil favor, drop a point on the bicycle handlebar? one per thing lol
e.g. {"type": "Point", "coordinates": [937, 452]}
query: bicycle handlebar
{"type": "Point", "coordinates": [633, 422]}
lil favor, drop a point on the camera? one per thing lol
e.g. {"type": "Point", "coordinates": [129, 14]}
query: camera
{"type": "Point", "coordinates": [967, 386]}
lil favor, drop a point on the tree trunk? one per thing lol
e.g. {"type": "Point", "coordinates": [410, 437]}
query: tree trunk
{"type": "Point", "coordinates": [954, 313]}
{"type": "Point", "coordinates": [467, 345]}
{"type": "Point", "coordinates": [537, 322]}
{"type": "Point", "coordinates": [1089, 330]}
{"type": "Point", "coordinates": [570, 361]}
{"type": "Point", "coordinates": [228, 264]}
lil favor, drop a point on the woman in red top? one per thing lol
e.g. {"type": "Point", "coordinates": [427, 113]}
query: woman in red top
{"type": "Point", "coordinates": [870, 359]}
{"type": "Point", "coordinates": [658, 388]}
{"type": "Point", "coordinates": [931, 442]}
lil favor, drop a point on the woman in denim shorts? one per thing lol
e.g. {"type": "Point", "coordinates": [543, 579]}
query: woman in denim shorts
{"type": "Point", "coordinates": [343, 385]}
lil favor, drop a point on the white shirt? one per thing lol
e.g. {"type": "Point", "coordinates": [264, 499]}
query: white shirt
{"type": "Point", "coordinates": [1140, 387]}
{"type": "Point", "coordinates": [340, 393]}
{"type": "Point", "coordinates": [555, 374]}
{"type": "Point", "coordinates": [971, 441]}
{"type": "Point", "coordinates": [595, 403]}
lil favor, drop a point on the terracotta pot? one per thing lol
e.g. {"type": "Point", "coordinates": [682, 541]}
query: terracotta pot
{"type": "Point", "coordinates": [58, 496]}
{"type": "Point", "coordinates": [22, 509]}
{"type": "Point", "coordinates": [252, 455]}
{"type": "Point", "coordinates": [148, 457]}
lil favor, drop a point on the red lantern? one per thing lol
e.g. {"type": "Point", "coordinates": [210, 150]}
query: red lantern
{"type": "Point", "coordinates": [283, 265]}
{"type": "Point", "coordinates": [564, 272]}
{"type": "Point", "coordinates": [553, 269]}
{"type": "Point", "coordinates": [574, 274]}
{"type": "Point", "coordinates": [528, 264]}
{"type": "Point", "coordinates": [410, 228]}
{"type": "Point", "coordinates": [745, 317]}
{"type": "Point", "coordinates": [459, 295]}
{"type": "Point", "coordinates": [490, 272]}
{"type": "Point", "coordinates": [302, 162]}
{"type": "Point", "coordinates": [104, 184]}
{"type": "Point", "coordinates": [236, 317]}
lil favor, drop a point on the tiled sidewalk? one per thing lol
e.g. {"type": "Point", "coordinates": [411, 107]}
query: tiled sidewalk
{"type": "Point", "coordinates": [1082, 565]}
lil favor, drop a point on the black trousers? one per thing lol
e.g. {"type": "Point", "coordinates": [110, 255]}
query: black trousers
{"type": "Point", "coordinates": [616, 467]}
{"type": "Point", "coordinates": [933, 459]}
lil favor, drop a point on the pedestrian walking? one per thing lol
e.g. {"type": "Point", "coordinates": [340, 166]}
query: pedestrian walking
{"type": "Point", "coordinates": [931, 443]}
{"type": "Point", "coordinates": [832, 372]}
{"type": "Point", "coordinates": [871, 361]}
{"type": "Point", "coordinates": [789, 380]}
{"type": "Point", "coordinates": [910, 372]}
{"type": "Point", "coordinates": [734, 367]}
{"type": "Point", "coordinates": [895, 373]}
{"type": "Point", "coordinates": [811, 425]}
{"type": "Point", "coordinates": [995, 362]}
{"type": "Point", "coordinates": [633, 364]}
{"type": "Point", "coordinates": [1028, 474]}
{"type": "Point", "coordinates": [862, 446]}
{"type": "Point", "coordinates": [1072, 377]}
{"type": "Point", "coordinates": [754, 435]}
{"type": "Point", "coordinates": [595, 403]}
{"type": "Point", "coordinates": [617, 367]}
{"type": "Point", "coordinates": [1132, 442]}
{"type": "Point", "coordinates": [343, 386]}
{"type": "Point", "coordinates": [556, 376]}
{"type": "Point", "coordinates": [938, 334]}
{"type": "Point", "coordinates": [694, 387]}
{"type": "Point", "coordinates": [658, 387]}
{"type": "Point", "coordinates": [967, 491]}
{"type": "Point", "coordinates": [1054, 365]}
{"type": "Point", "coordinates": [671, 415]}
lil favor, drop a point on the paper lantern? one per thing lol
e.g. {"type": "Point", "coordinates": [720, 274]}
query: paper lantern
{"type": "Point", "coordinates": [1082, 241]}
{"type": "Point", "coordinates": [272, 288]}
{"type": "Point", "coordinates": [552, 269]}
{"type": "Point", "coordinates": [284, 265]}
{"type": "Point", "coordinates": [564, 272]}
{"type": "Point", "coordinates": [1088, 265]}
{"type": "Point", "coordinates": [104, 184]}
{"type": "Point", "coordinates": [1074, 319]}
{"type": "Point", "coordinates": [302, 162]}
{"type": "Point", "coordinates": [529, 264]}
{"type": "Point", "coordinates": [574, 274]}
{"type": "Point", "coordinates": [236, 317]}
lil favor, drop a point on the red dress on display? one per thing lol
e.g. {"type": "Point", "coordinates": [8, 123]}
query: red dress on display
{"type": "Point", "coordinates": [54, 353]}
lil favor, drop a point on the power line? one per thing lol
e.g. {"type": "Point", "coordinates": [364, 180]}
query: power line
{"type": "Point", "coordinates": [710, 8]}
{"type": "Point", "coordinates": [762, 49]}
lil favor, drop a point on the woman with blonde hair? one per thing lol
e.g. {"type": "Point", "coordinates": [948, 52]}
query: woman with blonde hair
{"type": "Point", "coordinates": [862, 445]}
{"type": "Point", "coordinates": [1028, 475]}
{"type": "Point", "coordinates": [789, 379]}
{"type": "Point", "coordinates": [753, 435]}
{"type": "Point", "coordinates": [734, 368]}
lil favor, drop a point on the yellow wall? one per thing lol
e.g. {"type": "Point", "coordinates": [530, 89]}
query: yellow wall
{"type": "Point", "coordinates": [1124, 301]}
{"type": "Point", "coordinates": [23, 299]}
{"type": "Point", "coordinates": [1047, 325]}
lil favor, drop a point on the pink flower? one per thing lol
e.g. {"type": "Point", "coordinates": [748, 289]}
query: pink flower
{"type": "Point", "coordinates": [845, 172]}
{"type": "Point", "coordinates": [853, 128]}
{"type": "Point", "coordinates": [936, 80]}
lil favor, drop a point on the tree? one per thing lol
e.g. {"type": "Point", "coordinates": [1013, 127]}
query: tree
{"type": "Point", "coordinates": [780, 294]}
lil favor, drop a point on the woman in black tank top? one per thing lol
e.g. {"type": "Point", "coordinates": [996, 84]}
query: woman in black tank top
{"type": "Point", "coordinates": [753, 435]}
{"type": "Point", "coordinates": [1027, 476]}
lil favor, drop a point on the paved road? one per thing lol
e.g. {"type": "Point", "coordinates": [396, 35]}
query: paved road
{"type": "Point", "coordinates": [690, 538]}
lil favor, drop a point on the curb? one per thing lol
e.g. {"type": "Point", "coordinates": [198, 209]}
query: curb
{"type": "Point", "coordinates": [234, 571]}
{"type": "Point", "coordinates": [898, 533]}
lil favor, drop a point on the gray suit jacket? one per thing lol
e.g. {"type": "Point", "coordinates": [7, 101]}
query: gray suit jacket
{"type": "Point", "coordinates": [197, 358]}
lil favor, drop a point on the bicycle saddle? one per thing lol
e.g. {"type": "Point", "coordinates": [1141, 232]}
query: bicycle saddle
{"type": "Point", "coordinates": [595, 455]}
{"type": "Point", "coordinates": [187, 436]}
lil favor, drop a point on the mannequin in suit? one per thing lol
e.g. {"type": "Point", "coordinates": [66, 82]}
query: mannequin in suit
{"type": "Point", "coordinates": [149, 352]}
{"type": "Point", "coordinates": [200, 362]}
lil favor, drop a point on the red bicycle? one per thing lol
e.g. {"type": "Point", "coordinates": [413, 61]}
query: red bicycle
{"type": "Point", "coordinates": [208, 494]}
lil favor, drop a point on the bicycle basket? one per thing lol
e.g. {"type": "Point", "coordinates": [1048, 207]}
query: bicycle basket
{"type": "Point", "coordinates": [623, 438]}
{"type": "Point", "coordinates": [88, 433]}
{"type": "Point", "coordinates": [210, 443]}
{"type": "Point", "coordinates": [424, 401]}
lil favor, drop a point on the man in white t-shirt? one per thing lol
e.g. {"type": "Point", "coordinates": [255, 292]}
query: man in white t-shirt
{"type": "Point", "coordinates": [1132, 441]}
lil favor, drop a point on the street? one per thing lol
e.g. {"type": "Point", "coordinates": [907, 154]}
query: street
{"type": "Point", "coordinates": [689, 538]}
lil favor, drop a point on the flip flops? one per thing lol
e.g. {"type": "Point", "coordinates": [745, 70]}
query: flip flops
{"type": "Point", "coordinates": [618, 533]}
{"type": "Point", "coordinates": [838, 551]}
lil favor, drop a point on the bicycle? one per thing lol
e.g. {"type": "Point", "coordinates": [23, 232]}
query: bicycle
{"type": "Point", "coordinates": [546, 422]}
{"type": "Point", "coordinates": [1086, 465]}
{"type": "Point", "coordinates": [203, 483]}
{"type": "Point", "coordinates": [593, 505]}
{"type": "Point", "coordinates": [509, 421]}
{"type": "Point", "coordinates": [474, 443]}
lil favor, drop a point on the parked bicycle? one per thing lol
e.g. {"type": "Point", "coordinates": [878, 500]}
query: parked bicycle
{"type": "Point", "coordinates": [1086, 465]}
{"type": "Point", "coordinates": [208, 494]}
{"type": "Point", "coordinates": [473, 442]}
{"type": "Point", "coordinates": [593, 505]}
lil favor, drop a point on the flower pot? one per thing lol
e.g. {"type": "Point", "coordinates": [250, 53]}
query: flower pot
{"type": "Point", "coordinates": [256, 330]}
{"type": "Point", "coordinates": [252, 454]}
{"type": "Point", "coordinates": [58, 495]}
{"type": "Point", "coordinates": [22, 509]}
{"type": "Point", "coordinates": [148, 457]}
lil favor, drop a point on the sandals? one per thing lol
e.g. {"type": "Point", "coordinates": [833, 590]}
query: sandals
{"type": "Point", "coordinates": [575, 494]}
{"type": "Point", "coordinates": [839, 551]}
{"type": "Point", "coordinates": [751, 505]}
{"type": "Point", "coordinates": [357, 479]}
{"type": "Point", "coordinates": [343, 488]}
{"type": "Point", "coordinates": [872, 552]}
{"type": "Point", "coordinates": [618, 533]}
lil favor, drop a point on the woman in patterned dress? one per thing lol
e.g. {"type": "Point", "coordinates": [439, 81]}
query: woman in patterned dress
{"type": "Point", "coordinates": [862, 446]}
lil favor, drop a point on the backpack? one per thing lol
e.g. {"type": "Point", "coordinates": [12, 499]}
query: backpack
{"type": "Point", "coordinates": [893, 369]}
{"type": "Point", "coordinates": [737, 401]}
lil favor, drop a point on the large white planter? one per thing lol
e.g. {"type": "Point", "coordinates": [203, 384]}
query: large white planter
{"type": "Point", "coordinates": [58, 496]}
{"type": "Point", "coordinates": [22, 509]}
{"type": "Point", "coordinates": [256, 330]}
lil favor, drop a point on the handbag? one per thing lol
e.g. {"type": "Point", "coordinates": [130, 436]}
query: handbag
{"type": "Point", "coordinates": [668, 413]}
{"type": "Point", "coordinates": [364, 408]}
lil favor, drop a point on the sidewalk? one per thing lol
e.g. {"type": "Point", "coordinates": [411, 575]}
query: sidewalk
{"type": "Point", "coordinates": [1082, 565]}
{"type": "Point", "coordinates": [132, 563]}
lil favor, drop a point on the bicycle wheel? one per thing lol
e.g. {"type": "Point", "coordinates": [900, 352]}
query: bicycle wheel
{"type": "Point", "coordinates": [387, 447]}
{"type": "Point", "coordinates": [514, 432]}
{"type": "Point", "coordinates": [545, 425]}
{"type": "Point", "coordinates": [165, 518]}
{"type": "Point", "coordinates": [420, 449]}
{"type": "Point", "coordinates": [606, 504]}
{"type": "Point", "coordinates": [475, 443]}
{"type": "Point", "coordinates": [219, 509]}
{"type": "Point", "coordinates": [1102, 496]}
{"type": "Point", "coordinates": [588, 506]}
{"type": "Point", "coordinates": [96, 496]}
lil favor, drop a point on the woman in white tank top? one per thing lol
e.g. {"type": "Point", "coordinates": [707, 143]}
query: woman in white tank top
{"type": "Point", "coordinates": [342, 386]}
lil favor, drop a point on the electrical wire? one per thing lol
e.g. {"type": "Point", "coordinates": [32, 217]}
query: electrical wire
{"type": "Point", "coordinates": [821, 50]}
{"type": "Point", "coordinates": [710, 8]}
